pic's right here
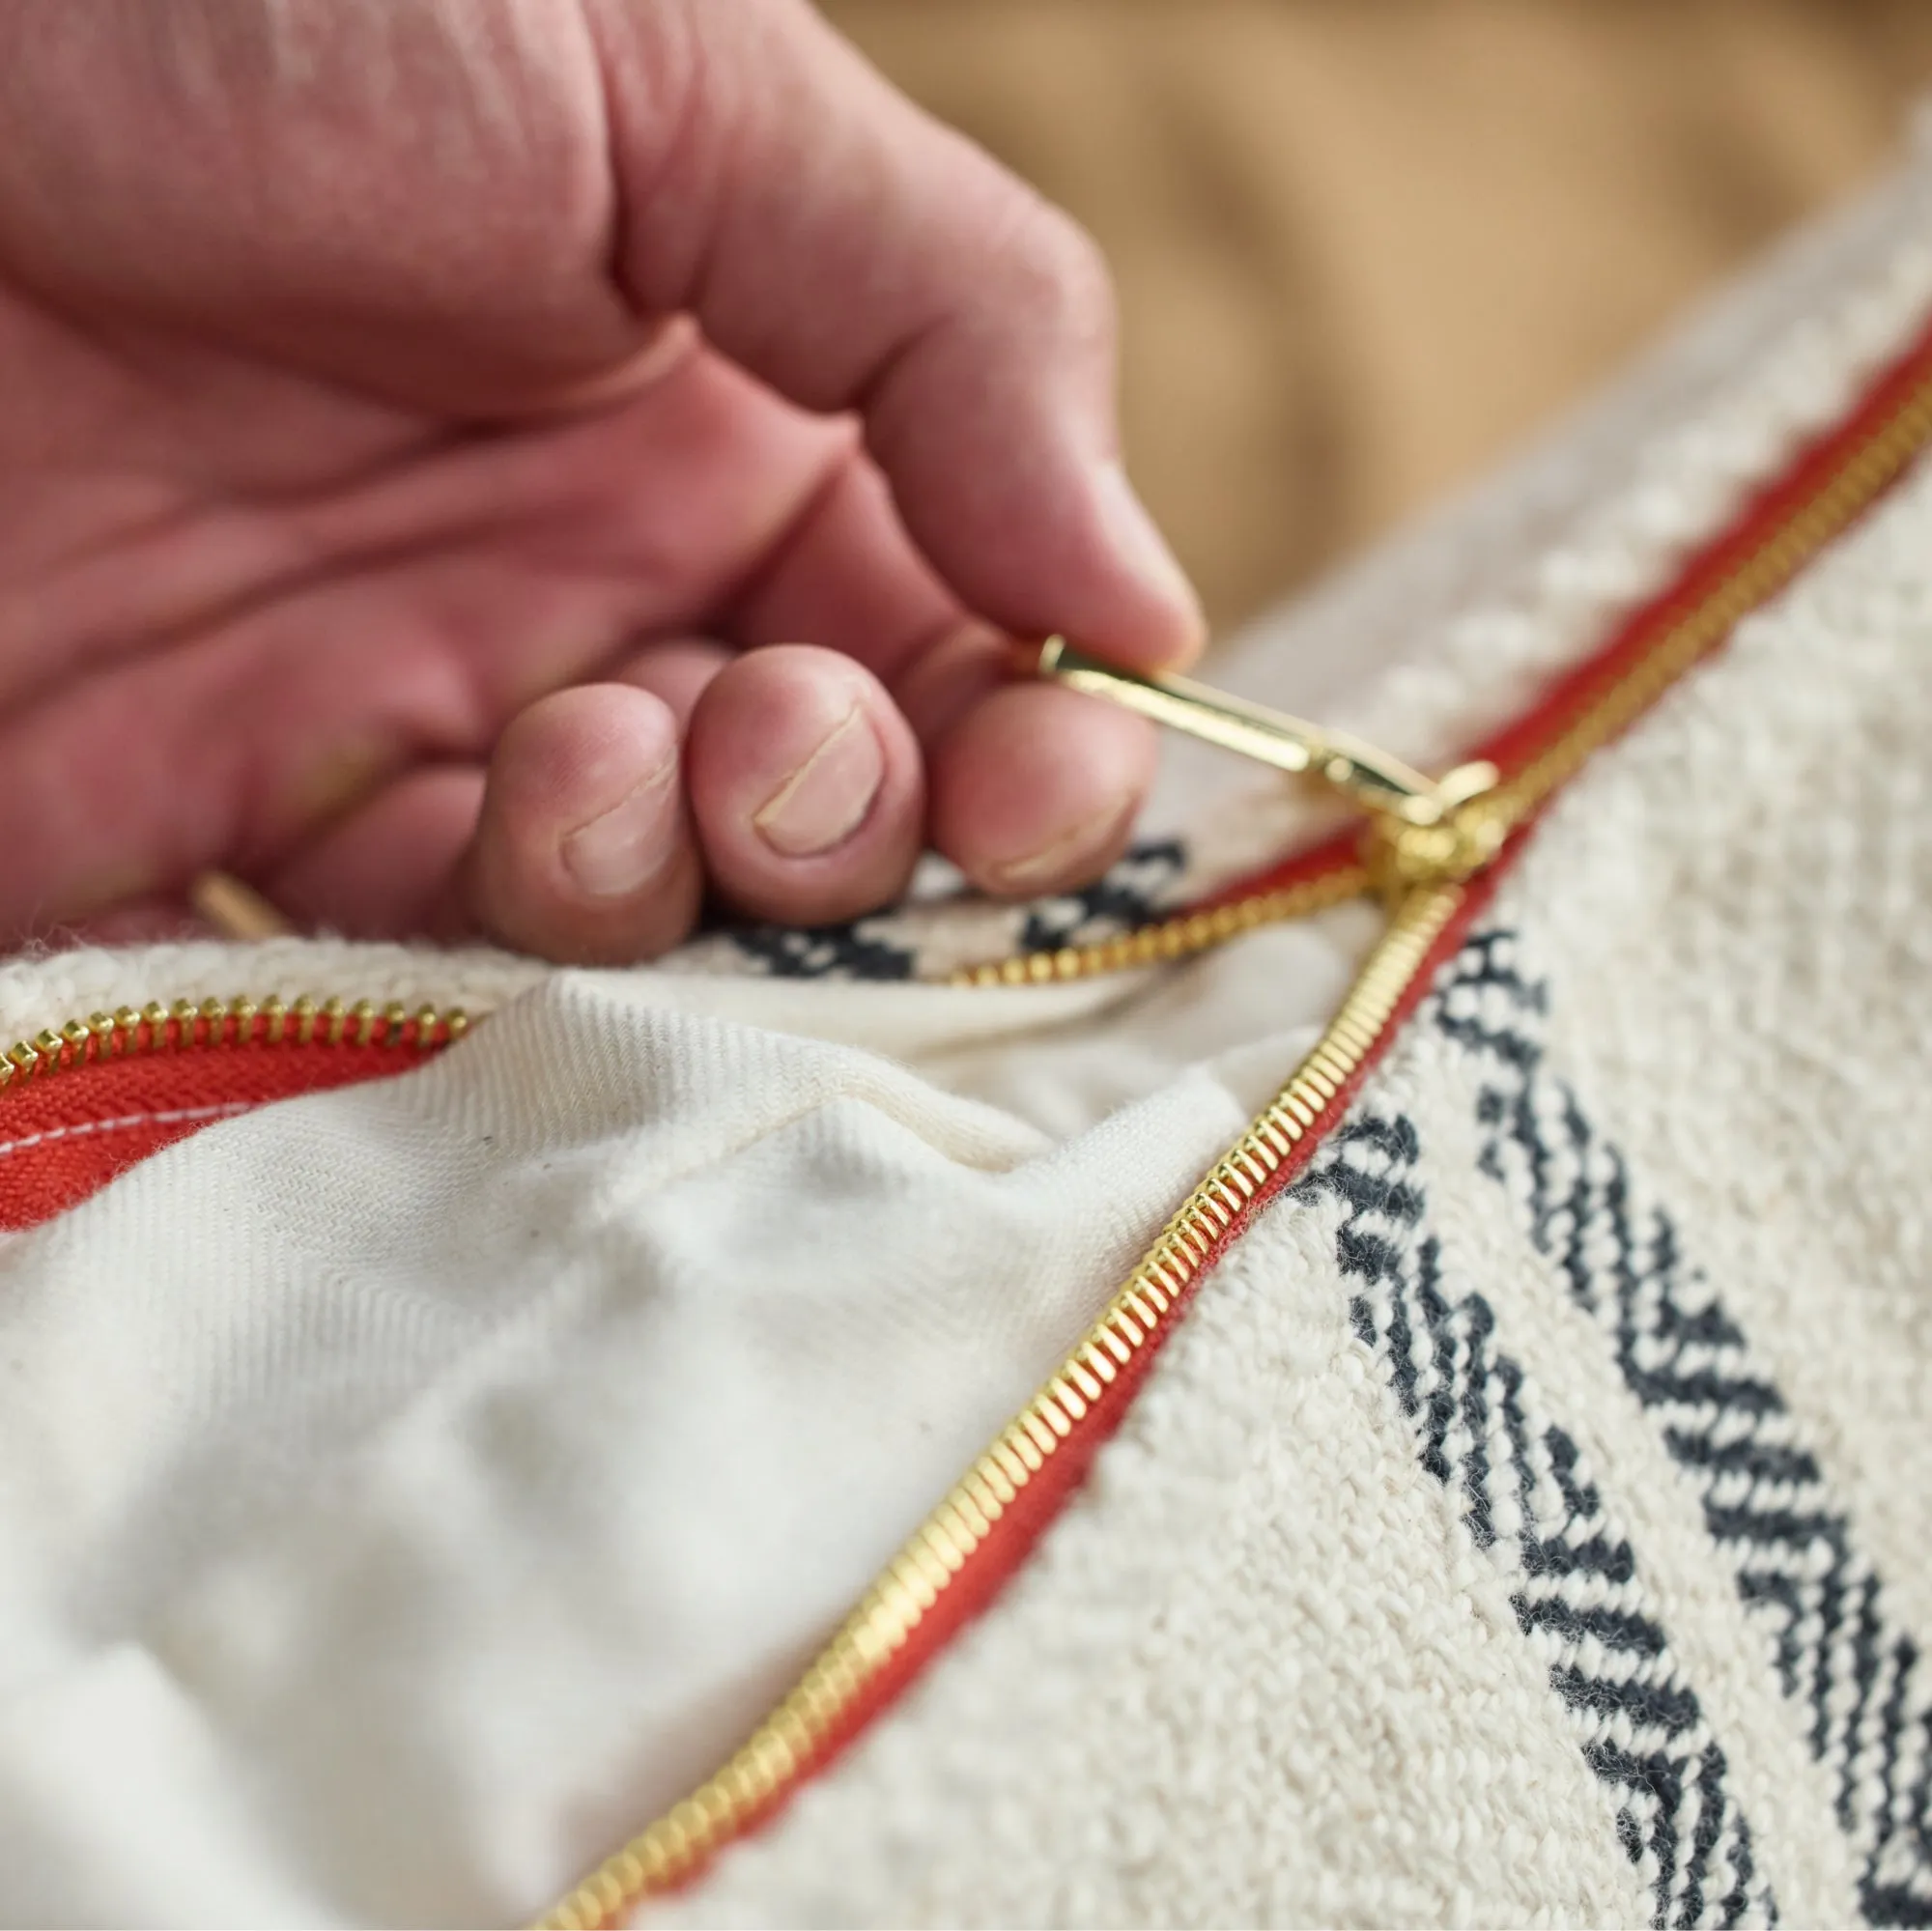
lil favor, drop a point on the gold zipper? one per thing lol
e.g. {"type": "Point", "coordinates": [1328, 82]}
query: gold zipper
{"type": "Point", "coordinates": [1423, 830]}
{"type": "Point", "coordinates": [1372, 778]}
{"type": "Point", "coordinates": [188, 1027]}
{"type": "Point", "coordinates": [790, 1738]}
{"type": "Point", "coordinates": [1419, 858]}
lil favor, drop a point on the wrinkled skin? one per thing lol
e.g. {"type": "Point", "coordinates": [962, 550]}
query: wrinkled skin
{"type": "Point", "coordinates": [515, 465]}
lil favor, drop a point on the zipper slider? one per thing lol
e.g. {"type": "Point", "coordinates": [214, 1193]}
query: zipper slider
{"type": "Point", "coordinates": [1423, 831]}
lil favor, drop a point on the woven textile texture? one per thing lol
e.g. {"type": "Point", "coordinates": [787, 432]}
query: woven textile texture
{"type": "Point", "coordinates": [1533, 1519]}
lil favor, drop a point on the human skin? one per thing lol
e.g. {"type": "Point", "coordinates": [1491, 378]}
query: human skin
{"type": "Point", "coordinates": [515, 465]}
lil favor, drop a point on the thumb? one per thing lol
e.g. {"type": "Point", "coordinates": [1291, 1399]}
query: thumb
{"type": "Point", "coordinates": [839, 243]}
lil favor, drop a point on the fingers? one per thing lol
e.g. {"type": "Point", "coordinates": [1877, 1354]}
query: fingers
{"type": "Point", "coordinates": [806, 787]}
{"type": "Point", "coordinates": [394, 865]}
{"type": "Point", "coordinates": [582, 851]}
{"type": "Point", "coordinates": [846, 574]}
{"type": "Point", "coordinates": [1036, 788]}
{"type": "Point", "coordinates": [797, 791]}
{"type": "Point", "coordinates": [1033, 789]}
{"type": "Point", "coordinates": [384, 871]}
{"type": "Point", "coordinates": [857, 255]}
{"type": "Point", "coordinates": [676, 671]}
{"type": "Point", "coordinates": [806, 804]}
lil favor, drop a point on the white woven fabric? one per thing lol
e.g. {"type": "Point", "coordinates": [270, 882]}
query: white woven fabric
{"type": "Point", "coordinates": [405, 1492]}
{"type": "Point", "coordinates": [1268, 1668]}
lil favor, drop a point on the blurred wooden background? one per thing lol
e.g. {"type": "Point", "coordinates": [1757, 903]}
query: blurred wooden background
{"type": "Point", "coordinates": [1363, 246]}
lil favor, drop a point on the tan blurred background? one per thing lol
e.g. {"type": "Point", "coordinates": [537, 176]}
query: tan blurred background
{"type": "Point", "coordinates": [1364, 246]}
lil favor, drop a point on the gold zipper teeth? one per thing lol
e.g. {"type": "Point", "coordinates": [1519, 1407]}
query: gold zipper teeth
{"type": "Point", "coordinates": [1170, 938]}
{"type": "Point", "coordinates": [790, 1738]}
{"type": "Point", "coordinates": [189, 1027]}
{"type": "Point", "coordinates": [1755, 580]}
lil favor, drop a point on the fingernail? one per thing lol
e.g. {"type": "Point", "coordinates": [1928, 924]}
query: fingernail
{"type": "Point", "coordinates": [1061, 854]}
{"type": "Point", "coordinates": [826, 799]}
{"type": "Point", "coordinates": [621, 850]}
{"type": "Point", "coordinates": [1140, 546]}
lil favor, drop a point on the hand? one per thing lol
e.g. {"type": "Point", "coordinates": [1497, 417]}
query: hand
{"type": "Point", "coordinates": [507, 465]}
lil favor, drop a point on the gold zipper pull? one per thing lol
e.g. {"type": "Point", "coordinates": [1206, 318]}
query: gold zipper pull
{"type": "Point", "coordinates": [1423, 830]}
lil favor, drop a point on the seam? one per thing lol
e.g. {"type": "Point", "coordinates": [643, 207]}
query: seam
{"type": "Point", "coordinates": [174, 1117]}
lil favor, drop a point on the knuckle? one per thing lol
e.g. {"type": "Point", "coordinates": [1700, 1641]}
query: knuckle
{"type": "Point", "coordinates": [1035, 253]}
{"type": "Point", "coordinates": [1058, 264]}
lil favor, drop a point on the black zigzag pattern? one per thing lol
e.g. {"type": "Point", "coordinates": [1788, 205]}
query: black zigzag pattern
{"type": "Point", "coordinates": [1131, 893]}
{"type": "Point", "coordinates": [884, 946]}
{"type": "Point", "coordinates": [1528, 1499]}
{"type": "Point", "coordinates": [1853, 1673]}
{"type": "Point", "coordinates": [855, 951]}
